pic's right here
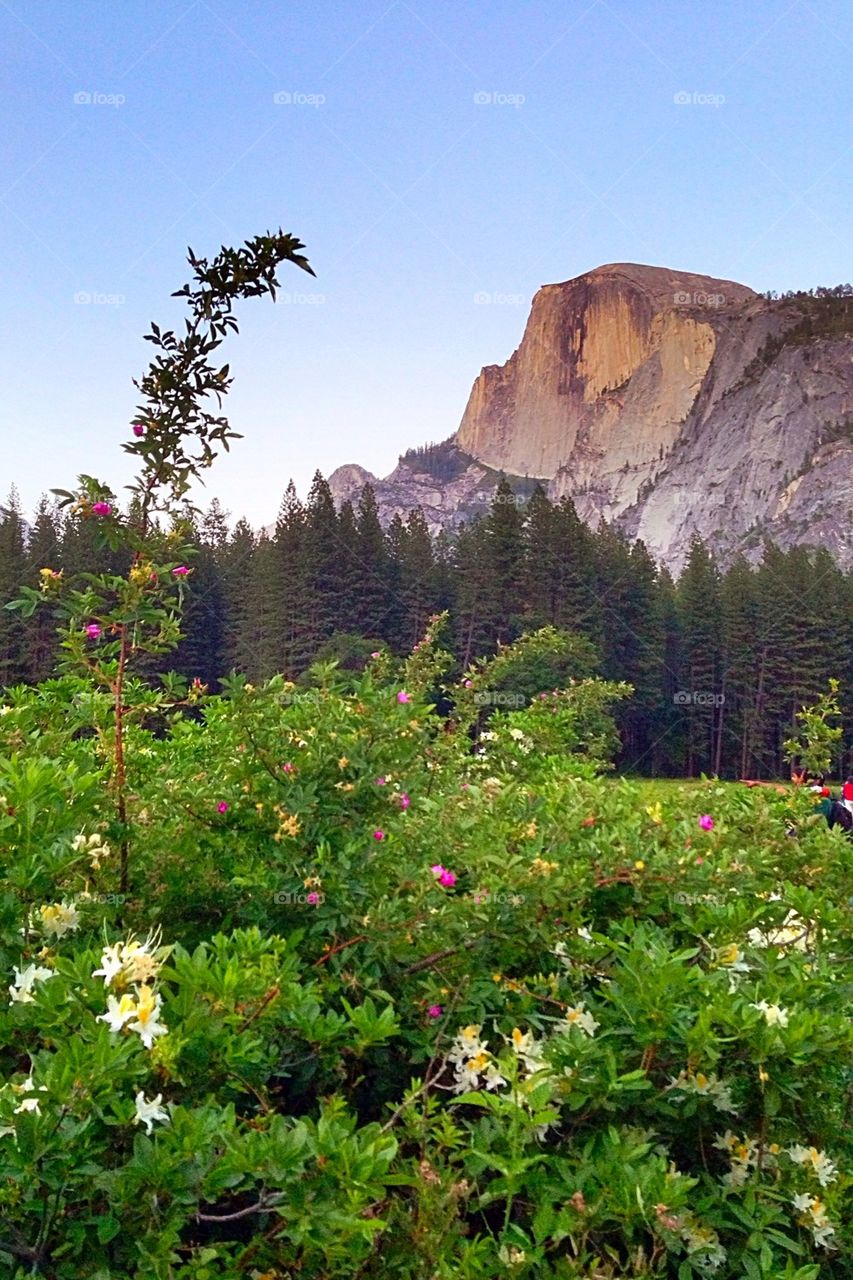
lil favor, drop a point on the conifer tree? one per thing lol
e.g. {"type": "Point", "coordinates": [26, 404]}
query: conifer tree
{"type": "Point", "coordinates": [288, 586]}
{"type": "Point", "coordinates": [740, 610]}
{"type": "Point", "coordinates": [42, 551]}
{"type": "Point", "coordinates": [322, 556]}
{"type": "Point", "coordinates": [419, 587]}
{"type": "Point", "coordinates": [473, 593]}
{"type": "Point", "coordinates": [699, 602]}
{"type": "Point", "coordinates": [504, 547]}
{"type": "Point", "coordinates": [373, 604]}
{"type": "Point", "coordinates": [13, 568]}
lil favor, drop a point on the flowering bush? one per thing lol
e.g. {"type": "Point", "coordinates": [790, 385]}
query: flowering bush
{"type": "Point", "coordinates": [541, 1027]}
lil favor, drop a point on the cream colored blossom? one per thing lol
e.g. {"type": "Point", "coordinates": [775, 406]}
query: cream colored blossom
{"type": "Point", "coordinates": [818, 1162]}
{"type": "Point", "coordinates": [774, 1014]}
{"type": "Point", "coordinates": [20, 992]}
{"type": "Point", "coordinates": [580, 1017]}
{"type": "Point", "coordinates": [708, 1087]}
{"type": "Point", "coordinates": [149, 1112]}
{"type": "Point", "coordinates": [813, 1215]}
{"type": "Point", "coordinates": [59, 918]}
{"type": "Point", "coordinates": [147, 1014]}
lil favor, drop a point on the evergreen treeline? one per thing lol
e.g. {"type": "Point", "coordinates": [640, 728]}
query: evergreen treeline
{"type": "Point", "coordinates": [720, 660]}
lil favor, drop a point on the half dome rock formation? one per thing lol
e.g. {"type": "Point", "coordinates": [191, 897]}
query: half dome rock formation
{"type": "Point", "coordinates": [609, 366]}
{"type": "Point", "coordinates": [667, 402]}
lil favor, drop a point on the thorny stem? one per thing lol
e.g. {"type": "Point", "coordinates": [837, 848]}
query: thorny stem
{"type": "Point", "coordinates": [120, 776]}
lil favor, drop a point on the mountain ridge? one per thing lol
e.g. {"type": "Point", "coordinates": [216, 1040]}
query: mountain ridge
{"type": "Point", "coordinates": [666, 402]}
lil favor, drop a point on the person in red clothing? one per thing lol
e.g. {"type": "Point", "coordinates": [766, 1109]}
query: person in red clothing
{"type": "Point", "coordinates": [847, 794]}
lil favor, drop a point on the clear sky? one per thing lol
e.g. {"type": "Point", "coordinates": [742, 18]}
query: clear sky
{"type": "Point", "coordinates": [441, 159]}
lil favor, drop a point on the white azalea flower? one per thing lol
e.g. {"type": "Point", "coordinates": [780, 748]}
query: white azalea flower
{"type": "Point", "coordinates": [731, 957]}
{"type": "Point", "coordinates": [708, 1087]}
{"type": "Point", "coordinates": [149, 1112]}
{"type": "Point", "coordinates": [793, 932]}
{"type": "Point", "coordinates": [818, 1161]}
{"type": "Point", "coordinates": [59, 918]}
{"type": "Point", "coordinates": [118, 1012]}
{"type": "Point", "coordinates": [813, 1213]}
{"type": "Point", "coordinates": [581, 1018]}
{"type": "Point", "coordinates": [21, 990]}
{"type": "Point", "coordinates": [28, 1104]}
{"type": "Point", "coordinates": [471, 1060]}
{"type": "Point", "coordinates": [147, 1024]}
{"type": "Point", "coordinates": [774, 1014]}
{"type": "Point", "coordinates": [111, 963]}
{"type": "Point", "coordinates": [135, 961]}
{"type": "Point", "coordinates": [527, 1050]}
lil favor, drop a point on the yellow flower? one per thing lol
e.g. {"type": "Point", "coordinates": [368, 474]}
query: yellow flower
{"type": "Point", "coordinates": [290, 826]}
{"type": "Point", "coordinates": [49, 578]}
{"type": "Point", "coordinates": [654, 812]}
{"type": "Point", "coordinates": [141, 572]}
{"type": "Point", "coordinates": [343, 762]}
{"type": "Point", "coordinates": [640, 865]}
{"type": "Point", "coordinates": [497, 977]}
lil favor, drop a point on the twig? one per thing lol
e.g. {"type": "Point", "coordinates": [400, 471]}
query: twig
{"type": "Point", "coordinates": [264, 1205]}
{"type": "Point", "coordinates": [428, 961]}
{"type": "Point", "coordinates": [424, 1088]}
{"type": "Point", "coordinates": [268, 998]}
{"type": "Point", "coordinates": [341, 946]}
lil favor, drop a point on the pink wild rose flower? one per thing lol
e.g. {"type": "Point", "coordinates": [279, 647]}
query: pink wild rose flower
{"type": "Point", "coordinates": [434, 1011]}
{"type": "Point", "coordinates": [93, 631]}
{"type": "Point", "coordinates": [222, 807]}
{"type": "Point", "coordinates": [706, 822]}
{"type": "Point", "coordinates": [402, 696]}
{"type": "Point", "coordinates": [101, 508]}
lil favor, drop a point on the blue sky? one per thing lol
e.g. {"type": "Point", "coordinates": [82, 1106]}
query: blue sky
{"type": "Point", "coordinates": [440, 160]}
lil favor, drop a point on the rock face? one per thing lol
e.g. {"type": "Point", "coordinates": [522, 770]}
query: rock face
{"type": "Point", "coordinates": [637, 392]}
{"type": "Point", "coordinates": [445, 503]}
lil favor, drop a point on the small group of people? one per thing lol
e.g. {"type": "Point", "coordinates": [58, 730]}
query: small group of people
{"type": "Point", "coordinates": [837, 811]}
